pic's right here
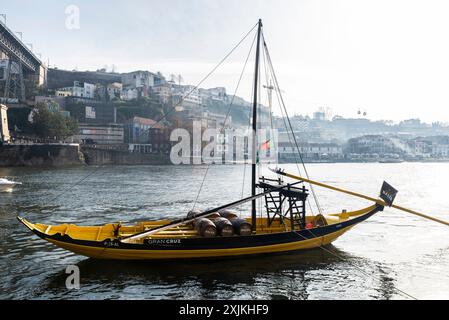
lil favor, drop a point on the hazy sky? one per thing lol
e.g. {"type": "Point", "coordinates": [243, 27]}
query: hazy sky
{"type": "Point", "coordinates": [390, 58]}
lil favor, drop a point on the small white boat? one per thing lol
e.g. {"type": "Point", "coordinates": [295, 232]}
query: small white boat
{"type": "Point", "coordinates": [7, 185]}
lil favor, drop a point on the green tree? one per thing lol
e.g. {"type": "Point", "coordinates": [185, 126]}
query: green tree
{"type": "Point", "coordinates": [49, 122]}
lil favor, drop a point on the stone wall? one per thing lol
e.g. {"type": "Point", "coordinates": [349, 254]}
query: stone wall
{"type": "Point", "coordinates": [98, 156]}
{"type": "Point", "coordinates": [67, 155]}
{"type": "Point", "coordinates": [40, 155]}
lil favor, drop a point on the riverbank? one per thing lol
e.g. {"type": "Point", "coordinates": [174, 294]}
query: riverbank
{"type": "Point", "coordinates": [54, 155]}
{"type": "Point", "coordinates": [60, 155]}
{"type": "Point", "coordinates": [101, 156]}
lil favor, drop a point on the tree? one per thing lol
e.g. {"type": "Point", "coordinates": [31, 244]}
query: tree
{"type": "Point", "coordinates": [49, 122]}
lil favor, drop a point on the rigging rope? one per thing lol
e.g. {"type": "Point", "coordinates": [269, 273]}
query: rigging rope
{"type": "Point", "coordinates": [289, 123]}
{"type": "Point", "coordinates": [277, 89]}
{"type": "Point", "coordinates": [245, 160]}
{"type": "Point", "coordinates": [202, 80]}
{"type": "Point", "coordinates": [281, 101]}
{"type": "Point", "coordinates": [227, 116]}
{"type": "Point", "coordinates": [172, 109]}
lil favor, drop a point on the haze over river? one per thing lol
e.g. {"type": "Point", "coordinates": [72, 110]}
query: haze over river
{"type": "Point", "coordinates": [391, 251]}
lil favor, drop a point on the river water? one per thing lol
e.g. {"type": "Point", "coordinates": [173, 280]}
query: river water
{"type": "Point", "coordinates": [393, 255]}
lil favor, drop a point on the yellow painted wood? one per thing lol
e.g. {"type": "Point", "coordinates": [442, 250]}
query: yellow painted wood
{"type": "Point", "coordinates": [127, 254]}
{"type": "Point", "coordinates": [101, 233]}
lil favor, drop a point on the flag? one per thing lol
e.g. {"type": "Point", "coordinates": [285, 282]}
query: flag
{"type": "Point", "coordinates": [265, 146]}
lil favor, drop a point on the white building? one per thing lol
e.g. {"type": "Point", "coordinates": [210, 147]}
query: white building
{"type": "Point", "coordinates": [440, 150]}
{"type": "Point", "coordinates": [138, 79]}
{"type": "Point", "coordinates": [4, 130]}
{"type": "Point", "coordinates": [114, 90]}
{"type": "Point", "coordinates": [79, 89]}
{"type": "Point", "coordinates": [130, 94]}
{"type": "Point", "coordinates": [187, 96]}
{"type": "Point", "coordinates": [216, 94]}
{"type": "Point", "coordinates": [310, 151]}
{"type": "Point", "coordinates": [100, 134]}
{"type": "Point", "coordinates": [163, 92]}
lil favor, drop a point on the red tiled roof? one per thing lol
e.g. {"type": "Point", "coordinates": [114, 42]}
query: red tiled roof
{"type": "Point", "coordinates": [148, 122]}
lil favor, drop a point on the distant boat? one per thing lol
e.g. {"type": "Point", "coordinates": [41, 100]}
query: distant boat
{"type": "Point", "coordinates": [7, 185]}
{"type": "Point", "coordinates": [391, 161]}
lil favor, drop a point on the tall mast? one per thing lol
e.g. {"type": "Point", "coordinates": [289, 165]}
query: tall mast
{"type": "Point", "coordinates": [254, 151]}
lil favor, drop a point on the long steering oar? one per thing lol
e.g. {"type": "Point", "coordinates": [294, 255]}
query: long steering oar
{"type": "Point", "coordinates": [204, 214]}
{"type": "Point", "coordinates": [388, 194]}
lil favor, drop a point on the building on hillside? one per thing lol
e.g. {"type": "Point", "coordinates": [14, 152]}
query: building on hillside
{"type": "Point", "coordinates": [216, 94]}
{"type": "Point", "coordinates": [159, 139]}
{"type": "Point", "coordinates": [147, 136]}
{"type": "Point", "coordinates": [139, 84]}
{"type": "Point", "coordinates": [309, 151]}
{"type": "Point", "coordinates": [91, 111]}
{"type": "Point", "coordinates": [100, 134]}
{"type": "Point", "coordinates": [162, 92]}
{"type": "Point", "coordinates": [319, 116]}
{"type": "Point", "coordinates": [137, 129]}
{"type": "Point", "coordinates": [79, 90]}
{"type": "Point", "coordinates": [221, 120]}
{"type": "Point", "coordinates": [114, 90]}
{"type": "Point", "coordinates": [187, 97]}
{"type": "Point", "coordinates": [129, 94]}
{"type": "Point", "coordinates": [138, 79]}
{"type": "Point", "coordinates": [440, 150]}
{"type": "Point", "coordinates": [63, 93]}
{"type": "Point", "coordinates": [421, 147]}
{"type": "Point", "coordinates": [374, 144]}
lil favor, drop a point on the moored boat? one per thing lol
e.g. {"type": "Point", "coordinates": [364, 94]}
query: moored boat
{"type": "Point", "coordinates": [8, 185]}
{"type": "Point", "coordinates": [282, 225]}
{"type": "Point", "coordinates": [180, 242]}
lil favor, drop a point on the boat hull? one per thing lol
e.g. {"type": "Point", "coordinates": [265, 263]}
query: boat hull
{"type": "Point", "coordinates": [198, 247]}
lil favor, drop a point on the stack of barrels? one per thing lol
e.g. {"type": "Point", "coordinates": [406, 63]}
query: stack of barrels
{"type": "Point", "coordinates": [224, 223]}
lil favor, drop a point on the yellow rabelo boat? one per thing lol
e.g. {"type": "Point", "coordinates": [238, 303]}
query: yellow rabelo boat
{"type": "Point", "coordinates": [218, 232]}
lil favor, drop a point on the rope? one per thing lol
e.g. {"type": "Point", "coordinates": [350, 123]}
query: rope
{"type": "Point", "coordinates": [172, 109]}
{"type": "Point", "coordinates": [288, 133]}
{"type": "Point", "coordinates": [282, 103]}
{"type": "Point", "coordinates": [244, 160]}
{"type": "Point", "coordinates": [202, 80]}
{"type": "Point", "coordinates": [227, 116]}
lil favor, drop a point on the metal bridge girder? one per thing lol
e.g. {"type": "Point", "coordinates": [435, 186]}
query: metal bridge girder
{"type": "Point", "coordinates": [15, 49]}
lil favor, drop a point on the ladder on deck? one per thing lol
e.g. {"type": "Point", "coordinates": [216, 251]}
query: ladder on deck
{"type": "Point", "coordinates": [293, 198]}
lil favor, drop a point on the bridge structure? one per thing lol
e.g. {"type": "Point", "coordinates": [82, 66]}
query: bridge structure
{"type": "Point", "coordinates": [17, 62]}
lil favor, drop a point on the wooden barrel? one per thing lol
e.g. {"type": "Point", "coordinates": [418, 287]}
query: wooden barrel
{"type": "Point", "coordinates": [205, 227]}
{"type": "Point", "coordinates": [241, 227]}
{"type": "Point", "coordinates": [213, 216]}
{"type": "Point", "coordinates": [320, 221]}
{"type": "Point", "coordinates": [193, 213]}
{"type": "Point", "coordinates": [228, 214]}
{"type": "Point", "coordinates": [224, 227]}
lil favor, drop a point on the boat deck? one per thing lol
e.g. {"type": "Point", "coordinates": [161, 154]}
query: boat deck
{"type": "Point", "coordinates": [109, 231]}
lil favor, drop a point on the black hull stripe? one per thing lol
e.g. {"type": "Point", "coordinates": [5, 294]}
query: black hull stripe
{"type": "Point", "coordinates": [218, 242]}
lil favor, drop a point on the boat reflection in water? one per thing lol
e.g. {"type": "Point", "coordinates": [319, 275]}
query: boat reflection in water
{"type": "Point", "coordinates": [295, 275]}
